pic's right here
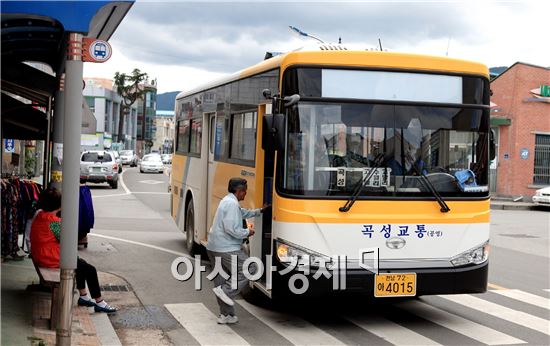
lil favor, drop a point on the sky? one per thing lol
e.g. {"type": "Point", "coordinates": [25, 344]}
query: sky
{"type": "Point", "coordinates": [185, 44]}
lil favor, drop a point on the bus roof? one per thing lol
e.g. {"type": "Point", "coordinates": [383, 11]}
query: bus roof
{"type": "Point", "coordinates": [349, 58]}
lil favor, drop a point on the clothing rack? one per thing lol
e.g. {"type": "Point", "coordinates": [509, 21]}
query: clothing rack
{"type": "Point", "coordinates": [19, 203]}
{"type": "Point", "coordinates": [15, 175]}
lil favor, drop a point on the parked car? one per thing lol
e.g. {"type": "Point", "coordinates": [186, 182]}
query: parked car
{"type": "Point", "coordinates": [542, 197]}
{"type": "Point", "coordinates": [117, 159]}
{"type": "Point", "coordinates": [166, 158]}
{"type": "Point", "coordinates": [99, 166]}
{"type": "Point", "coordinates": [151, 163]}
{"type": "Point", "coordinates": [129, 157]}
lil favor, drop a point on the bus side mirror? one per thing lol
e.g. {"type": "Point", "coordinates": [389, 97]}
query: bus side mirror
{"type": "Point", "coordinates": [273, 132]}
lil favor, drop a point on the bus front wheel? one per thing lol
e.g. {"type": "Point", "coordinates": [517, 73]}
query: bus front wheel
{"type": "Point", "coordinates": [190, 244]}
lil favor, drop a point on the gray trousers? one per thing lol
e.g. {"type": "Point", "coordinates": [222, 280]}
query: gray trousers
{"type": "Point", "coordinates": [242, 281]}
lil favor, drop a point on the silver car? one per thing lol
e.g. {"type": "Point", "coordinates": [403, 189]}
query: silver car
{"type": "Point", "coordinates": [99, 166]}
{"type": "Point", "coordinates": [129, 157]}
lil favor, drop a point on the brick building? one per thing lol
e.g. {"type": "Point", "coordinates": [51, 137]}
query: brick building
{"type": "Point", "coordinates": [520, 118]}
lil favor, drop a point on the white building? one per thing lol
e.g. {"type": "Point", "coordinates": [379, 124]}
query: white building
{"type": "Point", "coordinates": [164, 132]}
{"type": "Point", "coordinates": [104, 102]}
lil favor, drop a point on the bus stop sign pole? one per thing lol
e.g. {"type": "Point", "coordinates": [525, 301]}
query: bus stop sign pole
{"type": "Point", "coordinates": [70, 185]}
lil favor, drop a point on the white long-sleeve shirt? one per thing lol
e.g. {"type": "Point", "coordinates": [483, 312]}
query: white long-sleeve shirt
{"type": "Point", "coordinates": [227, 232]}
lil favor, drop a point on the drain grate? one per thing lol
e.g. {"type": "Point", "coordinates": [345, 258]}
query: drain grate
{"type": "Point", "coordinates": [115, 288]}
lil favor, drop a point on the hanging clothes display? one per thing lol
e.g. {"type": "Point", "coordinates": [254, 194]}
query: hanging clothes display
{"type": "Point", "coordinates": [19, 203]}
{"type": "Point", "coordinates": [85, 215]}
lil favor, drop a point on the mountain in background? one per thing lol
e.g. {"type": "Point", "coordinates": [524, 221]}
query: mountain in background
{"type": "Point", "coordinates": [495, 71]}
{"type": "Point", "coordinates": [166, 101]}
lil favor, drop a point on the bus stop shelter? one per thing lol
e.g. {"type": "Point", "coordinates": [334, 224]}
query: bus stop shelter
{"type": "Point", "coordinates": [46, 106]}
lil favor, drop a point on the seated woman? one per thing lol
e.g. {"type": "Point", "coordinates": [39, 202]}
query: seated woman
{"type": "Point", "coordinates": [45, 231]}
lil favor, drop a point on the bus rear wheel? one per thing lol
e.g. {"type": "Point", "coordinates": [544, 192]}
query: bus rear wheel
{"type": "Point", "coordinates": [190, 244]}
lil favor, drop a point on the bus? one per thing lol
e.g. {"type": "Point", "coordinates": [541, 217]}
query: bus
{"type": "Point", "coordinates": [379, 158]}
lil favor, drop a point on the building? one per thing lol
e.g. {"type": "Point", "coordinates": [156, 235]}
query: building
{"type": "Point", "coordinates": [165, 132]}
{"type": "Point", "coordinates": [104, 103]}
{"type": "Point", "coordinates": [146, 111]}
{"type": "Point", "coordinates": [520, 118]}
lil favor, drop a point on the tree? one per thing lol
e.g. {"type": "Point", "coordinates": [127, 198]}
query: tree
{"type": "Point", "coordinates": [128, 87]}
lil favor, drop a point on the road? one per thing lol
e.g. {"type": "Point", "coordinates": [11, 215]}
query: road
{"type": "Point", "coordinates": [135, 237]}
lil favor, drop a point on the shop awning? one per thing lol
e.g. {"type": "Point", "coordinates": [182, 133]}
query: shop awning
{"type": "Point", "coordinates": [500, 121]}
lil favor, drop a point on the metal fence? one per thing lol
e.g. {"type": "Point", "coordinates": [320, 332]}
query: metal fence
{"type": "Point", "coordinates": [541, 174]}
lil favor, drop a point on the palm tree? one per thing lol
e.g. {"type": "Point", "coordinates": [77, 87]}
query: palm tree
{"type": "Point", "coordinates": [130, 88]}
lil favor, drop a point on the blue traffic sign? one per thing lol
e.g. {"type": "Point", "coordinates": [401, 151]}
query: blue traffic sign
{"type": "Point", "coordinates": [9, 145]}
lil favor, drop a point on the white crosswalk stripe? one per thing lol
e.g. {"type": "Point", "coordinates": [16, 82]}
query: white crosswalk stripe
{"type": "Point", "coordinates": [546, 289]}
{"type": "Point", "coordinates": [390, 331]}
{"type": "Point", "coordinates": [459, 324]}
{"type": "Point", "coordinates": [525, 297]}
{"type": "Point", "coordinates": [518, 317]}
{"type": "Point", "coordinates": [201, 323]}
{"type": "Point", "coordinates": [293, 328]}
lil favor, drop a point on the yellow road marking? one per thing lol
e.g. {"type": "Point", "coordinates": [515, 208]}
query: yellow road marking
{"type": "Point", "coordinates": [496, 287]}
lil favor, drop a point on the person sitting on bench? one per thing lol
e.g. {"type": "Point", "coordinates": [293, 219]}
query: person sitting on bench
{"type": "Point", "coordinates": [45, 232]}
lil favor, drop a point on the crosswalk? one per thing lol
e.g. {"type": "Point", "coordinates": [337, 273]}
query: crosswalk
{"type": "Point", "coordinates": [464, 317]}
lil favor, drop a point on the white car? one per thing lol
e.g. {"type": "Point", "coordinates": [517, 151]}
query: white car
{"type": "Point", "coordinates": [166, 158]}
{"type": "Point", "coordinates": [151, 163]}
{"type": "Point", "coordinates": [117, 159]}
{"type": "Point", "coordinates": [542, 197]}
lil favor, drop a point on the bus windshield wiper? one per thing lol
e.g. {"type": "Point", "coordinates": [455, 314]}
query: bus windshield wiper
{"type": "Point", "coordinates": [428, 184]}
{"type": "Point", "coordinates": [378, 160]}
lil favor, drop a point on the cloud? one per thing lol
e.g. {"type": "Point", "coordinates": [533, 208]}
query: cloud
{"type": "Point", "coordinates": [185, 44]}
{"type": "Point", "coordinates": [226, 37]}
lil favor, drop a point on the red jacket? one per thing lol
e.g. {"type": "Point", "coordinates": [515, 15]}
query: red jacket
{"type": "Point", "coordinates": [44, 240]}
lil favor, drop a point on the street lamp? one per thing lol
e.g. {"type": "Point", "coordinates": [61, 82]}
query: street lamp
{"type": "Point", "coordinates": [301, 33]}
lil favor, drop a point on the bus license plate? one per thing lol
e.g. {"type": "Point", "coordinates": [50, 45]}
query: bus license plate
{"type": "Point", "coordinates": [395, 285]}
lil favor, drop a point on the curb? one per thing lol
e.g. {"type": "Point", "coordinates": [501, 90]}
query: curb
{"type": "Point", "coordinates": [514, 207]}
{"type": "Point", "coordinates": [105, 330]}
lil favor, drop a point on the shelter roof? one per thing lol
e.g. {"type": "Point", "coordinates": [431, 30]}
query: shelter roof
{"type": "Point", "coordinates": [37, 31]}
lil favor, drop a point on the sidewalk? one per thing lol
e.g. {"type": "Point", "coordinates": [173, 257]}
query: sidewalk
{"type": "Point", "coordinates": [26, 309]}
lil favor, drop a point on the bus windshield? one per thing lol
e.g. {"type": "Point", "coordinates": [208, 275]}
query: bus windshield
{"type": "Point", "coordinates": [331, 146]}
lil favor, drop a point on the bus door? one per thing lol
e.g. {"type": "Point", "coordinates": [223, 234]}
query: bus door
{"type": "Point", "coordinates": [264, 181]}
{"type": "Point", "coordinates": [210, 210]}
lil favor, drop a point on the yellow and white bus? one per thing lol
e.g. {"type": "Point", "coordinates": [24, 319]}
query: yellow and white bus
{"type": "Point", "coordinates": [354, 150]}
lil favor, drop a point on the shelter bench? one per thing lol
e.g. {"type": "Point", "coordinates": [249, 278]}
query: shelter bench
{"type": "Point", "coordinates": [50, 277]}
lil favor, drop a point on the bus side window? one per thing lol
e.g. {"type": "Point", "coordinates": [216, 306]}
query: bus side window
{"type": "Point", "coordinates": [220, 141]}
{"type": "Point", "coordinates": [243, 134]}
{"type": "Point", "coordinates": [212, 134]}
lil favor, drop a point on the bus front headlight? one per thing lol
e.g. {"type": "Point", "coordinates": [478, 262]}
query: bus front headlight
{"type": "Point", "coordinates": [288, 254]}
{"type": "Point", "coordinates": [476, 255]}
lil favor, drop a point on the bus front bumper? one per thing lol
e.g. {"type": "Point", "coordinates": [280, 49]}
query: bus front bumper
{"type": "Point", "coordinates": [466, 279]}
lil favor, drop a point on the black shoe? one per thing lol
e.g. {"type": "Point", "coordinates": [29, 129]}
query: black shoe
{"type": "Point", "coordinates": [84, 302]}
{"type": "Point", "coordinates": [17, 257]}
